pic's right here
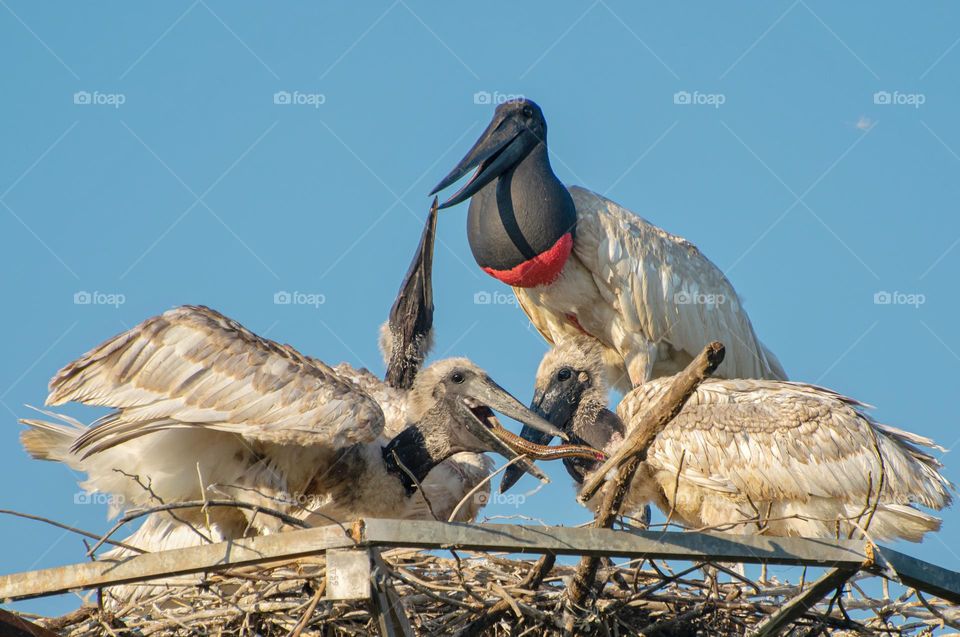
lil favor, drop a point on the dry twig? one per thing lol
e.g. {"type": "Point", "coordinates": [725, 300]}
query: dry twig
{"type": "Point", "coordinates": [628, 457]}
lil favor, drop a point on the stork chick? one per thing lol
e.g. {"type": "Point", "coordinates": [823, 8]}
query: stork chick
{"type": "Point", "coordinates": [193, 391]}
{"type": "Point", "coordinates": [752, 456]}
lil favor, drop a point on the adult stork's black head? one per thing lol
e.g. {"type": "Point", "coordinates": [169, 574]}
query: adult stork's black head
{"type": "Point", "coordinates": [522, 219]}
{"type": "Point", "coordinates": [517, 128]}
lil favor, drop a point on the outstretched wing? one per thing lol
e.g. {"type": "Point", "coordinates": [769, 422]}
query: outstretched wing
{"type": "Point", "coordinates": [664, 288]}
{"type": "Point", "coordinates": [192, 367]}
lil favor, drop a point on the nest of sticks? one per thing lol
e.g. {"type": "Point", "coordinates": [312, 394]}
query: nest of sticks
{"type": "Point", "coordinates": [483, 594]}
{"type": "Point", "coordinates": [489, 594]}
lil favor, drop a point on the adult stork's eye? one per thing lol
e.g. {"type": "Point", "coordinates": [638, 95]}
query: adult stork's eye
{"type": "Point", "coordinates": [457, 377]}
{"type": "Point", "coordinates": [527, 111]}
{"type": "Point", "coordinates": [564, 374]}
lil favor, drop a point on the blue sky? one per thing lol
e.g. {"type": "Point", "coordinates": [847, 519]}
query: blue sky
{"type": "Point", "coordinates": [810, 149]}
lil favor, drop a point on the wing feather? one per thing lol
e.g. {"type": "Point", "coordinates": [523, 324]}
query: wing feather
{"type": "Point", "coordinates": [194, 367]}
{"type": "Point", "coordinates": [664, 288]}
{"type": "Point", "coordinates": [777, 440]}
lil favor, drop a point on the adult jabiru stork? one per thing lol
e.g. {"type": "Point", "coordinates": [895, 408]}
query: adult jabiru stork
{"type": "Point", "coordinates": [581, 264]}
{"type": "Point", "coordinates": [752, 456]}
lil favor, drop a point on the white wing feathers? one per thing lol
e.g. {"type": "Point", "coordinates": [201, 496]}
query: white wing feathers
{"type": "Point", "coordinates": [739, 444]}
{"type": "Point", "coordinates": [664, 288]}
{"type": "Point", "coordinates": [191, 367]}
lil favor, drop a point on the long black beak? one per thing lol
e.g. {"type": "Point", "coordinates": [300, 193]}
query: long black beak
{"type": "Point", "coordinates": [497, 398]}
{"type": "Point", "coordinates": [485, 391]}
{"type": "Point", "coordinates": [411, 317]}
{"type": "Point", "coordinates": [500, 146]}
{"type": "Point", "coordinates": [552, 404]}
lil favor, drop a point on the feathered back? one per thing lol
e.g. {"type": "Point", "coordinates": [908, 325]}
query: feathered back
{"type": "Point", "coordinates": [801, 458]}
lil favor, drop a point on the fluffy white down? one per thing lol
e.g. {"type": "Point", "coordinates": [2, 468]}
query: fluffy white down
{"type": "Point", "coordinates": [161, 532]}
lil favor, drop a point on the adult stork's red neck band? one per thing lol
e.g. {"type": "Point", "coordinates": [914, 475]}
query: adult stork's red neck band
{"type": "Point", "coordinates": [542, 269]}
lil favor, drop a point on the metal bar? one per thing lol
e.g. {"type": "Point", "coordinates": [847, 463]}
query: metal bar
{"type": "Point", "coordinates": [380, 604]}
{"type": "Point", "coordinates": [378, 533]}
{"type": "Point", "coordinates": [921, 575]}
{"type": "Point", "coordinates": [210, 557]}
{"type": "Point", "coordinates": [750, 549]}
{"type": "Point", "coordinates": [777, 623]}
{"type": "Point", "coordinates": [391, 617]}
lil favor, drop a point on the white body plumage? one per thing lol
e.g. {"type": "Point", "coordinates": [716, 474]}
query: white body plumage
{"type": "Point", "coordinates": [790, 458]}
{"type": "Point", "coordinates": [649, 297]}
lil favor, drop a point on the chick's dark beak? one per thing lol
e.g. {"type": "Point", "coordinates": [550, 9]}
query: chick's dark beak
{"type": "Point", "coordinates": [553, 404]}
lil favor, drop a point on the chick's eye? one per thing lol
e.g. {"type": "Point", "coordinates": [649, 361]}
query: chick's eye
{"type": "Point", "coordinates": [564, 374]}
{"type": "Point", "coordinates": [457, 377]}
{"type": "Point", "coordinates": [527, 111]}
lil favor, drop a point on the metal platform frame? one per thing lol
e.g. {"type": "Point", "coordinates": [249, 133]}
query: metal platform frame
{"type": "Point", "coordinates": [842, 558]}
